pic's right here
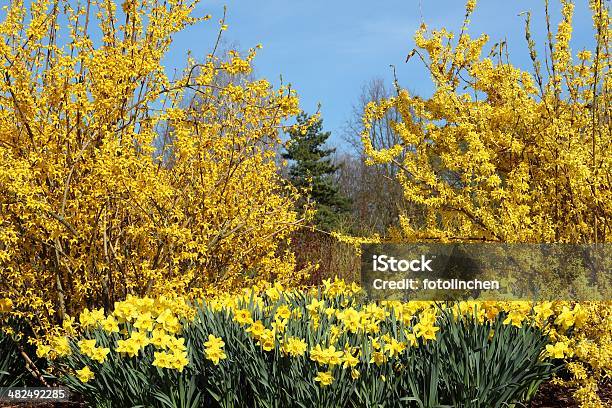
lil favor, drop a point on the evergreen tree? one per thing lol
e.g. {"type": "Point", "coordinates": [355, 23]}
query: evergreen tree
{"type": "Point", "coordinates": [312, 168]}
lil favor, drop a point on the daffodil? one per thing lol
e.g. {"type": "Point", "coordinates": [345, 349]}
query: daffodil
{"type": "Point", "coordinates": [324, 378]}
{"type": "Point", "coordinates": [85, 374]}
{"type": "Point", "coordinates": [293, 346]}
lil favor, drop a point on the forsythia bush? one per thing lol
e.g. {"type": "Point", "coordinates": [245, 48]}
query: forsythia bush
{"type": "Point", "coordinates": [500, 154]}
{"type": "Point", "coordinates": [325, 347]}
{"type": "Point", "coordinates": [116, 179]}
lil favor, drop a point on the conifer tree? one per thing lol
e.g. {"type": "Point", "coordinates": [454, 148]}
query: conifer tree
{"type": "Point", "coordinates": [313, 170]}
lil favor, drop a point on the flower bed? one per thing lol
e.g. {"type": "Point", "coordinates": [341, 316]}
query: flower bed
{"type": "Point", "coordinates": [323, 347]}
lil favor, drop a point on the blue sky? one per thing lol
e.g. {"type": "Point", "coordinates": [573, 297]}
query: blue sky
{"type": "Point", "coordinates": [328, 49]}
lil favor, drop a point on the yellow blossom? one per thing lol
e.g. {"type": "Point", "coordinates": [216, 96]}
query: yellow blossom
{"type": "Point", "coordinates": [85, 374]}
{"type": "Point", "coordinates": [324, 378]}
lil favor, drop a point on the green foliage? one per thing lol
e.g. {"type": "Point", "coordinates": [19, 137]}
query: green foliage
{"type": "Point", "coordinates": [466, 368]}
{"type": "Point", "coordinates": [13, 368]}
{"type": "Point", "coordinates": [312, 169]}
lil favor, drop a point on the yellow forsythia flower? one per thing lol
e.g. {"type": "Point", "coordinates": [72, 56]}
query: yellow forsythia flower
{"type": "Point", "coordinates": [6, 305]}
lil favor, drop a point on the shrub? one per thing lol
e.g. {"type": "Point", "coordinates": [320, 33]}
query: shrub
{"type": "Point", "coordinates": [110, 183]}
{"type": "Point", "coordinates": [499, 153]}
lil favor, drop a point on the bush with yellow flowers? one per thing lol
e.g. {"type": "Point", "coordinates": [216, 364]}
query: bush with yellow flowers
{"type": "Point", "coordinates": [499, 153]}
{"type": "Point", "coordinates": [116, 178]}
{"type": "Point", "coordinates": [271, 347]}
